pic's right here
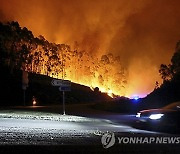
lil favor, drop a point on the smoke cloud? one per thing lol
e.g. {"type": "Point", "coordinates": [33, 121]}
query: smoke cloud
{"type": "Point", "coordinates": [143, 33]}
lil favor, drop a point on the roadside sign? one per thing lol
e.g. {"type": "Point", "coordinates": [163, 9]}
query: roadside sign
{"type": "Point", "coordinates": [56, 82]}
{"type": "Point", "coordinates": [65, 88]}
{"type": "Point", "coordinates": [64, 85]}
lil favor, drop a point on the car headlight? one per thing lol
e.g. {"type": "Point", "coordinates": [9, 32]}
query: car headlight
{"type": "Point", "coordinates": [155, 116]}
{"type": "Point", "coordinates": [138, 115]}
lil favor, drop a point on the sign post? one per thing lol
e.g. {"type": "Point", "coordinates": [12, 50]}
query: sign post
{"type": "Point", "coordinates": [64, 85]}
{"type": "Point", "coordinates": [25, 82]}
{"type": "Point", "coordinates": [64, 112]}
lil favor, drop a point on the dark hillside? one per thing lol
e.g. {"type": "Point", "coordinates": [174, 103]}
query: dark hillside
{"type": "Point", "coordinates": [40, 87]}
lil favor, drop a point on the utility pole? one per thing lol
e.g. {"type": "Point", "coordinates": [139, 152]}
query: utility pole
{"type": "Point", "coordinates": [63, 75]}
{"type": "Point", "coordinates": [25, 82]}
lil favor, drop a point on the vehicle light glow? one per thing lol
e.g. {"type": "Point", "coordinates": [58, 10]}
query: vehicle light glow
{"type": "Point", "coordinates": [136, 97]}
{"type": "Point", "coordinates": [138, 115]}
{"type": "Point", "coordinates": [155, 116]}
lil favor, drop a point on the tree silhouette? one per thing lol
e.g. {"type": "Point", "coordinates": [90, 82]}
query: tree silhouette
{"type": "Point", "coordinates": [19, 49]}
{"type": "Point", "coordinates": [165, 72]}
{"type": "Point", "coordinates": [171, 71]}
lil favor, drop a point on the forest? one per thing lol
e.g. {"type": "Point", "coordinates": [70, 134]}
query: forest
{"type": "Point", "coordinates": [21, 51]}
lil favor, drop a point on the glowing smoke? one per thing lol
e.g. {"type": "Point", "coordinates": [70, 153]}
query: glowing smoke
{"type": "Point", "coordinates": [143, 33]}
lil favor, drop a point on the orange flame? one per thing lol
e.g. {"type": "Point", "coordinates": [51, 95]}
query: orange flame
{"type": "Point", "coordinates": [34, 103]}
{"type": "Point", "coordinates": [123, 27]}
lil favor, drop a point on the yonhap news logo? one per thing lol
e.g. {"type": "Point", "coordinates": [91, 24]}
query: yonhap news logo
{"type": "Point", "coordinates": [149, 140]}
{"type": "Point", "coordinates": [108, 140]}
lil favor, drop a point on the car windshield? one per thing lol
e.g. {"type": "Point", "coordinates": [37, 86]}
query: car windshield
{"type": "Point", "coordinates": [175, 105]}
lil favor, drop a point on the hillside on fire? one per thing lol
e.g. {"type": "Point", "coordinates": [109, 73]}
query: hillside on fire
{"type": "Point", "coordinates": [21, 51]}
{"type": "Point", "coordinates": [162, 95]}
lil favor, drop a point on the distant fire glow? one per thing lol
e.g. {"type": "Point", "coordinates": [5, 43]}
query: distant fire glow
{"type": "Point", "coordinates": [115, 45]}
{"type": "Point", "coordinates": [34, 102]}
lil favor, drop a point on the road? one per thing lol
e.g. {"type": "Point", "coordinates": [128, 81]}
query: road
{"type": "Point", "coordinates": [82, 126]}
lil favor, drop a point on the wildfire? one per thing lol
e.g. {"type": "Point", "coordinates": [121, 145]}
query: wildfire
{"type": "Point", "coordinates": [110, 93]}
{"type": "Point", "coordinates": [81, 67]}
{"type": "Point", "coordinates": [125, 28]}
{"type": "Point", "coordinates": [60, 61]}
{"type": "Point", "coordinates": [95, 72]}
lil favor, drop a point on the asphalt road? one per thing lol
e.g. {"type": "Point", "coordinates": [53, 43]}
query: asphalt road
{"type": "Point", "coordinates": [81, 127]}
